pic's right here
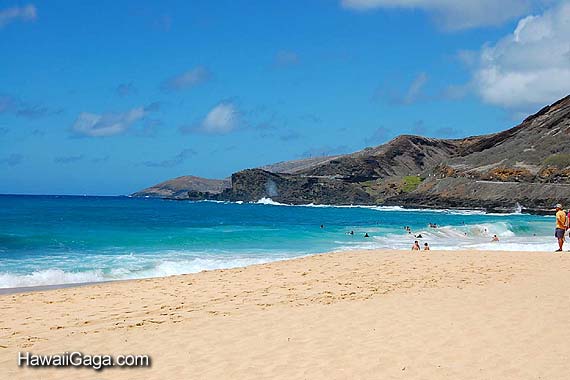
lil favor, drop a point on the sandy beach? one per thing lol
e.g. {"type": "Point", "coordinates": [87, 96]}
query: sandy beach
{"type": "Point", "coordinates": [348, 315]}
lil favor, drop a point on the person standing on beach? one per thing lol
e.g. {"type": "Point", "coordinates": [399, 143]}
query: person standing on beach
{"type": "Point", "coordinates": [416, 246]}
{"type": "Point", "coordinates": [560, 226]}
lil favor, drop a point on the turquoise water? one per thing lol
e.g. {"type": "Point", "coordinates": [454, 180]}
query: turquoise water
{"type": "Point", "coordinates": [47, 240]}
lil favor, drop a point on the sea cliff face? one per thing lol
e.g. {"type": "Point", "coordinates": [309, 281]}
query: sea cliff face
{"type": "Point", "coordinates": [253, 184]}
{"type": "Point", "coordinates": [527, 165]}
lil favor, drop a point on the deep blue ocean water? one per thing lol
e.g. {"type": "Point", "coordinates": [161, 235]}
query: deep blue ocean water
{"type": "Point", "coordinates": [47, 240]}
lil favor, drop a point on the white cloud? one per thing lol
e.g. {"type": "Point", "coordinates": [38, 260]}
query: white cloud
{"type": "Point", "coordinates": [186, 80]}
{"type": "Point", "coordinates": [529, 67]}
{"type": "Point", "coordinates": [415, 88]}
{"type": "Point", "coordinates": [107, 124]}
{"type": "Point", "coordinates": [456, 14]}
{"type": "Point", "coordinates": [25, 13]}
{"type": "Point", "coordinates": [223, 118]}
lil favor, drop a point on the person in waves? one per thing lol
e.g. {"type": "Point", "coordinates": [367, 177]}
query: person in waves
{"type": "Point", "coordinates": [560, 226]}
{"type": "Point", "coordinates": [416, 246]}
{"type": "Point", "coordinates": [495, 238]}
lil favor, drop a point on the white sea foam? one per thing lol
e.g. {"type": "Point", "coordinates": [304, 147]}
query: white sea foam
{"type": "Point", "coordinates": [128, 266]}
{"type": "Point", "coordinates": [161, 268]}
{"type": "Point", "coordinates": [467, 237]}
{"type": "Point", "coordinates": [51, 276]}
{"type": "Point", "coordinates": [269, 201]}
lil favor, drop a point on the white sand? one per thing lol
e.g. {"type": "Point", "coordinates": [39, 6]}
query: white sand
{"type": "Point", "coordinates": [353, 315]}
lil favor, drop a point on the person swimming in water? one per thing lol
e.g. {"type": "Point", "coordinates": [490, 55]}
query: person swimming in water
{"type": "Point", "coordinates": [495, 238]}
{"type": "Point", "coordinates": [366, 234]}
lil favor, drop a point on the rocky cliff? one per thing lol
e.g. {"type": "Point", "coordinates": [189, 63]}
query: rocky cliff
{"type": "Point", "coordinates": [528, 165]}
{"type": "Point", "coordinates": [253, 184]}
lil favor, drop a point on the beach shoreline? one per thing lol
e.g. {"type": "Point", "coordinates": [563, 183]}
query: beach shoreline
{"type": "Point", "coordinates": [351, 314]}
{"type": "Point", "coordinates": [41, 288]}
{"type": "Point", "coordinates": [76, 240]}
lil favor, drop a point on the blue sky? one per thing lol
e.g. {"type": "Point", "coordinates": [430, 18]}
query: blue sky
{"type": "Point", "coordinates": [110, 97]}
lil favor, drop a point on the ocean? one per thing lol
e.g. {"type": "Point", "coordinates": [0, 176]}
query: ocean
{"type": "Point", "coordinates": [51, 240]}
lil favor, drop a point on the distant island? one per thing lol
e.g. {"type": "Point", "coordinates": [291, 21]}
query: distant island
{"type": "Point", "coordinates": [526, 167]}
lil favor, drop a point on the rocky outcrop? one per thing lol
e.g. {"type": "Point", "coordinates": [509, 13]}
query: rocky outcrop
{"type": "Point", "coordinates": [528, 165]}
{"type": "Point", "coordinates": [179, 188]}
{"type": "Point", "coordinates": [404, 155]}
{"type": "Point", "coordinates": [254, 184]}
{"type": "Point", "coordinates": [196, 188]}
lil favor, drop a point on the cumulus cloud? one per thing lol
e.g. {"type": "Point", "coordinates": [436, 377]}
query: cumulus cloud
{"type": "Point", "coordinates": [109, 124]}
{"type": "Point", "coordinates": [221, 119]}
{"type": "Point", "coordinates": [455, 14]}
{"type": "Point", "coordinates": [529, 67]}
{"type": "Point", "coordinates": [187, 80]}
{"type": "Point", "coordinates": [177, 160]}
{"type": "Point", "coordinates": [230, 115]}
{"type": "Point", "coordinates": [26, 13]}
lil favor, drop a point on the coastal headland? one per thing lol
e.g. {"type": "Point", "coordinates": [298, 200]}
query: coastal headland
{"type": "Point", "coordinates": [525, 167]}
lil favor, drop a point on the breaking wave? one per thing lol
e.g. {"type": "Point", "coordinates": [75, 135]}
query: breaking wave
{"type": "Point", "coordinates": [162, 268]}
{"type": "Point", "coordinates": [271, 202]}
{"type": "Point", "coordinates": [465, 237]}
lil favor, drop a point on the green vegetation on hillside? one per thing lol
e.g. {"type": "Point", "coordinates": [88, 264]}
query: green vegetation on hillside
{"type": "Point", "coordinates": [560, 160]}
{"type": "Point", "coordinates": [410, 183]}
